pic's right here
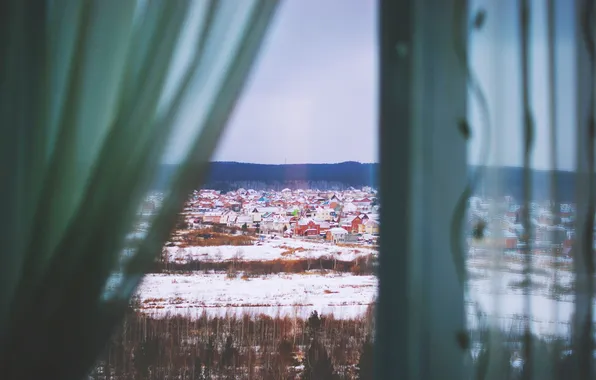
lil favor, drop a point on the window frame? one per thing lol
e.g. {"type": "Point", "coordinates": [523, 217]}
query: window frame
{"type": "Point", "coordinates": [420, 311]}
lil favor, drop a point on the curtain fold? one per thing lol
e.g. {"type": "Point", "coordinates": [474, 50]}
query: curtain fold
{"type": "Point", "coordinates": [96, 97]}
{"type": "Point", "coordinates": [531, 271]}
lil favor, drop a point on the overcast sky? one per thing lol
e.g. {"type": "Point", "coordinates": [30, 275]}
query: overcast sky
{"type": "Point", "coordinates": [495, 58]}
{"type": "Point", "coordinates": [312, 95]}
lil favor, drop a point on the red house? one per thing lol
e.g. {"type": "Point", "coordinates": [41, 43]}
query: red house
{"type": "Point", "coordinates": [307, 227]}
{"type": "Point", "coordinates": [355, 223]}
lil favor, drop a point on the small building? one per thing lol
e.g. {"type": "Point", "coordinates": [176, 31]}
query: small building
{"type": "Point", "coordinates": [349, 208]}
{"type": "Point", "coordinates": [324, 213]}
{"type": "Point", "coordinates": [212, 218]}
{"type": "Point", "coordinates": [305, 227]}
{"type": "Point", "coordinates": [372, 227]}
{"type": "Point", "coordinates": [337, 234]}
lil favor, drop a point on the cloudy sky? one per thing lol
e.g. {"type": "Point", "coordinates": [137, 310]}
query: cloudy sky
{"type": "Point", "coordinates": [312, 95]}
{"type": "Point", "coordinates": [495, 58]}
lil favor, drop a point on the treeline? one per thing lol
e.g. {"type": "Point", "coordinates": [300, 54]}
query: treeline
{"type": "Point", "coordinates": [364, 265]}
{"type": "Point", "coordinates": [320, 347]}
{"type": "Point", "coordinates": [233, 174]}
{"type": "Point", "coordinates": [509, 181]}
{"type": "Point", "coordinates": [228, 176]}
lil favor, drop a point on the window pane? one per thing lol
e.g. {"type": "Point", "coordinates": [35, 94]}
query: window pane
{"type": "Point", "coordinates": [271, 269]}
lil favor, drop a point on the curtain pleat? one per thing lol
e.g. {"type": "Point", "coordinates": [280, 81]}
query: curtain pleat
{"type": "Point", "coordinates": [96, 97]}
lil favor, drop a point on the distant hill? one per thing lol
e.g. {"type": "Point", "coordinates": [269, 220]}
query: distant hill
{"type": "Point", "coordinates": [511, 181]}
{"type": "Point", "coordinates": [232, 175]}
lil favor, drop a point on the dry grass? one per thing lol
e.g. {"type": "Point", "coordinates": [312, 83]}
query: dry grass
{"type": "Point", "coordinates": [354, 245]}
{"type": "Point", "coordinates": [153, 300]}
{"type": "Point", "coordinates": [199, 238]}
{"type": "Point", "coordinates": [290, 251]}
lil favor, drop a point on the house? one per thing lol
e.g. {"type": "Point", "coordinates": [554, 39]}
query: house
{"type": "Point", "coordinates": [256, 215]}
{"type": "Point", "coordinates": [236, 206]}
{"type": "Point", "coordinates": [232, 219]}
{"type": "Point", "coordinates": [307, 227]}
{"type": "Point", "coordinates": [226, 216]}
{"type": "Point", "coordinates": [324, 213]}
{"type": "Point", "coordinates": [335, 205]}
{"type": "Point", "coordinates": [337, 235]}
{"type": "Point", "coordinates": [280, 223]}
{"type": "Point", "coordinates": [212, 217]}
{"type": "Point", "coordinates": [346, 223]}
{"type": "Point", "coordinates": [279, 203]}
{"type": "Point", "coordinates": [324, 225]}
{"type": "Point", "coordinates": [363, 205]}
{"type": "Point", "coordinates": [350, 208]}
{"type": "Point", "coordinates": [243, 219]}
{"type": "Point", "coordinates": [356, 222]}
{"type": "Point", "coordinates": [266, 226]}
{"type": "Point", "coordinates": [510, 240]}
{"type": "Point", "coordinates": [362, 227]}
{"type": "Point", "coordinates": [293, 210]}
{"type": "Point", "coordinates": [351, 223]}
{"type": "Point", "coordinates": [372, 227]}
{"type": "Point", "coordinates": [335, 197]}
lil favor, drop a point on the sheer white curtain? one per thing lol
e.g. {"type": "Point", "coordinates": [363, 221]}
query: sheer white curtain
{"type": "Point", "coordinates": [96, 96]}
{"type": "Point", "coordinates": [532, 146]}
{"type": "Point", "coordinates": [510, 83]}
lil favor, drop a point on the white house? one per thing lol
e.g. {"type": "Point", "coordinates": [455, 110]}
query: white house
{"type": "Point", "coordinates": [350, 208]}
{"type": "Point", "coordinates": [256, 215]}
{"type": "Point", "coordinates": [228, 218]}
{"type": "Point", "coordinates": [323, 213]}
{"type": "Point", "coordinates": [337, 234]}
{"type": "Point", "coordinates": [241, 219]}
{"type": "Point", "coordinates": [372, 227]}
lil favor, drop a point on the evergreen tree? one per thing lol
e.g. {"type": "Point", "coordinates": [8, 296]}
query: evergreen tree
{"type": "Point", "coordinates": [283, 360]}
{"type": "Point", "coordinates": [317, 364]}
{"type": "Point", "coordinates": [313, 324]}
{"type": "Point", "coordinates": [229, 354]}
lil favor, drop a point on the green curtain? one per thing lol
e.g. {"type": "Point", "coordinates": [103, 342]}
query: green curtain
{"type": "Point", "coordinates": [95, 97]}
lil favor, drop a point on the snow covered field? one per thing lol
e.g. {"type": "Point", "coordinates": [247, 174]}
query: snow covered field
{"type": "Point", "coordinates": [272, 249]}
{"type": "Point", "coordinates": [346, 296]}
{"type": "Point", "coordinates": [498, 293]}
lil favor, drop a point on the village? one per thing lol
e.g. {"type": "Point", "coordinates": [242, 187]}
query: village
{"type": "Point", "coordinates": [349, 216]}
{"type": "Point", "coordinates": [352, 216]}
{"type": "Point", "coordinates": [499, 226]}
{"type": "Point", "coordinates": [292, 252]}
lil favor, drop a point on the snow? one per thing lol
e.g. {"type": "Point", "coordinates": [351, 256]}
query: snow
{"type": "Point", "coordinates": [271, 249]}
{"type": "Point", "coordinates": [505, 304]}
{"type": "Point", "coordinates": [495, 291]}
{"type": "Point", "coordinates": [294, 295]}
{"type": "Point", "coordinates": [338, 231]}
